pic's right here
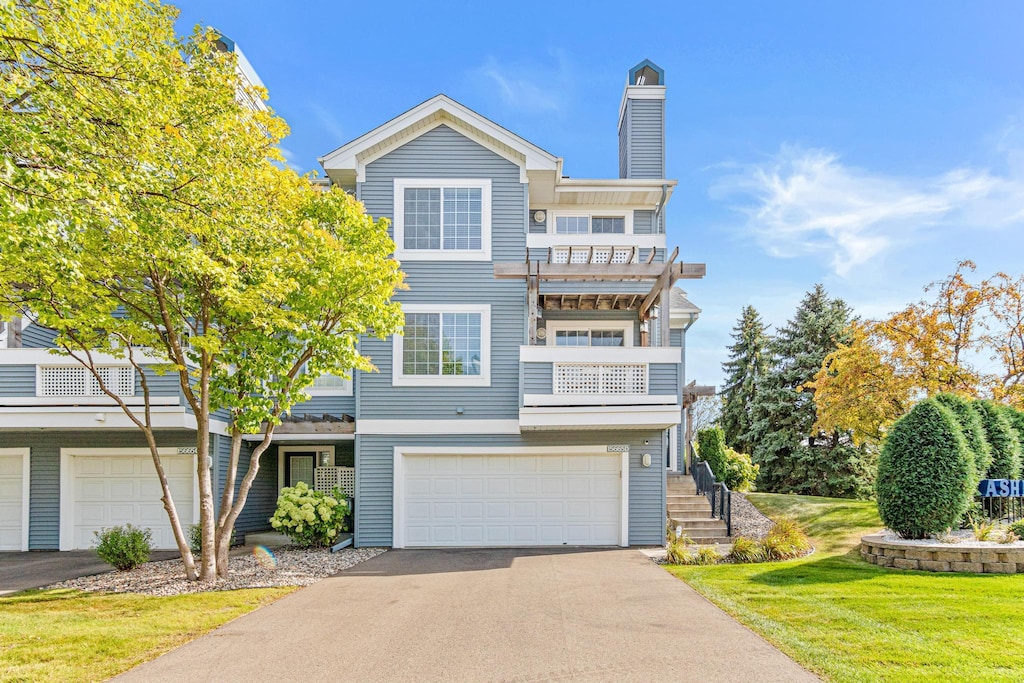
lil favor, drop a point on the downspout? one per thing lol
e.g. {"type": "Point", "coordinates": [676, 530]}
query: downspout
{"type": "Point", "coordinates": [661, 206]}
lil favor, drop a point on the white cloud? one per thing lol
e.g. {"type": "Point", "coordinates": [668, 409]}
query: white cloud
{"type": "Point", "coordinates": [328, 123]}
{"type": "Point", "coordinates": [807, 202]}
{"type": "Point", "coordinates": [530, 87]}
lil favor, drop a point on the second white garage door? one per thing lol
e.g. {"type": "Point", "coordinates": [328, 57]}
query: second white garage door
{"type": "Point", "coordinates": [510, 500]}
{"type": "Point", "coordinates": [110, 490]}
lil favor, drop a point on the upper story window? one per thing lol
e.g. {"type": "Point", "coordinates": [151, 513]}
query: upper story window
{"type": "Point", "coordinates": [443, 219]}
{"type": "Point", "coordinates": [443, 345]}
{"type": "Point", "coordinates": [330, 385]}
{"type": "Point", "coordinates": [601, 223]}
{"type": "Point", "coordinates": [590, 332]}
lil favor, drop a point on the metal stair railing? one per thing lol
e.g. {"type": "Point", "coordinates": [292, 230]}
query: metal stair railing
{"type": "Point", "coordinates": [717, 493]}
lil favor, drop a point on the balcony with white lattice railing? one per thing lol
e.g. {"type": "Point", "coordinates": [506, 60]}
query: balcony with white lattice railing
{"type": "Point", "coordinates": [599, 387]}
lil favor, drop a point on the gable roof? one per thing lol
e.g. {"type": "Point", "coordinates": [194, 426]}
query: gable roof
{"type": "Point", "coordinates": [349, 160]}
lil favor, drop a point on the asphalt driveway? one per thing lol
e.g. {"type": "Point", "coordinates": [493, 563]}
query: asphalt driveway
{"type": "Point", "coordinates": [484, 615]}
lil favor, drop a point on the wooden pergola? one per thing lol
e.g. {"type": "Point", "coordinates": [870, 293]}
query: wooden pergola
{"type": "Point", "coordinates": [662, 276]}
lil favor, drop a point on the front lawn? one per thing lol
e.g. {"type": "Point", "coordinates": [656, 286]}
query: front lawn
{"type": "Point", "coordinates": [849, 620]}
{"type": "Point", "coordinates": [64, 635]}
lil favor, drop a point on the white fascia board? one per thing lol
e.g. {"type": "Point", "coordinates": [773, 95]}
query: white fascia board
{"type": "Point", "coordinates": [90, 418]}
{"type": "Point", "coordinates": [581, 354]}
{"type": "Point", "coordinates": [77, 401]}
{"type": "Point", "coordinates": [599, 399]}
{"type": "Point", "coordinates": [345, 156]}
{"type": "Point", "coordinates": [598, 417]}
{"type": "Point", "coordinates": [25, 356]}
{"type": "Point", "coordinates": [378, 427]}
{"type": "Point", "coordinates": [546, 240]}
{"type": "Point", "coordinates": [301, 437]}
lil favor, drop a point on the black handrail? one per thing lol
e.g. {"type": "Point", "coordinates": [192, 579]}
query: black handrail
{"type": "Point", "coordinates": [718, 494]}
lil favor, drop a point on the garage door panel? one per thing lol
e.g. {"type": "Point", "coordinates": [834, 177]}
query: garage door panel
{"type": "Point", "coordinates": [116, 490]}
{"type": "Point", "coordinates": [511, 500]}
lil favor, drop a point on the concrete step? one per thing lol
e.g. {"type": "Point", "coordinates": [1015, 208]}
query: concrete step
{"type": "Point", "coordinates": [711, 540]}
{"type": "Point", "coordinates": [682, 511]}
{"type": "Point", "coordinates": [702, 529]}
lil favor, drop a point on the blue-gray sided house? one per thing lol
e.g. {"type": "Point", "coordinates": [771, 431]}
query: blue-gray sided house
{"type": "Point", "coordinates": [534, 398]}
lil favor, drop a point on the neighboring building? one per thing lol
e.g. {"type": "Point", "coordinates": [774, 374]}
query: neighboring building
{"type": "Point", "coordinates": [534, 398]}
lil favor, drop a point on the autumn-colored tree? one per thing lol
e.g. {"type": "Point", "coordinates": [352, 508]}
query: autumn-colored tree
{"type": "Point", "coordinates": [923, 350]}
{"type": "Point", "coordinates": [1004, 337]}
{"type": "Point", "coordinates": [146, 217]}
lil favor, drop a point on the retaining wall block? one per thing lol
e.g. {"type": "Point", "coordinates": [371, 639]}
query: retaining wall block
{"type": "Point", "coordinates": [934, 566]}
{"type": "Point", "coordinates": [1000, 568]}
{"type": "Point", "coordinates": [904, 563]}
{"type": "Point", "coordinates": [972, 567]}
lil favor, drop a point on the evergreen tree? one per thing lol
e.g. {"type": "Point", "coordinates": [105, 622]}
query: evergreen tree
{"type": "Point", "coordinates": [793, 458]}
{"type": "Point", "coordinates": [747, 365]}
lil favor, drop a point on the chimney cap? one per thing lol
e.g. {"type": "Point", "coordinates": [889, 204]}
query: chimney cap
{"type": "Point", "coordinates": [647, 73]}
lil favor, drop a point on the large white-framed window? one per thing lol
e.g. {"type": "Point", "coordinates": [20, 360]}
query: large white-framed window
{"type": "Point", "coordinates": [590, 222]}
{"type": "Point", "coordinates": [442, 219]}
{"type": "Point", "coordinates": [330, 385]}
{"type": "Point", "coordinates": [590, 333]}
{"type": "Point", "coordinates": [443, 345]}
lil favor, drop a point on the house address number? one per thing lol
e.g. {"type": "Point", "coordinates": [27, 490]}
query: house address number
{"type": "Point", "coordinates": [619, 449]}
{"type": "Point", "coordinates": [187, 450]}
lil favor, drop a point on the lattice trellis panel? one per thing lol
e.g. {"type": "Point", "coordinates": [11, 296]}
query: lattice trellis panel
{"type": "Point", "coordinates": [326, 478]}
{"type": "Point", "coordinates": [77, 381]}
{"type": "Point", "coordinates": [600, 378]}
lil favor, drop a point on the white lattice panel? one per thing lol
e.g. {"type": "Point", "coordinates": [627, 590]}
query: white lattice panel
{"type": "Point", "coordinates": [603, 378]}
{"type": "Point", "coordinates": [77, 381]}
{"type": "Point", "coordinates": [326, 478]}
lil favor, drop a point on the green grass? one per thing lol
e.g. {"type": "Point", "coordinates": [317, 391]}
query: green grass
{"type": "Point", "coordinates": [64, 635]}
{"type": "Point", "coordinates": [848, 620]}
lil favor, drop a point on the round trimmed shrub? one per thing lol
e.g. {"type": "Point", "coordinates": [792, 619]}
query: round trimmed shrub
{"type": "Point", "coordinates": [970, 424]}
{"type": "Point", "coordinates": [925, 472]}
{"type": "Point", "coordinates": [124, 547]}
{"type": "Point", "coordinates": [1002, 439]}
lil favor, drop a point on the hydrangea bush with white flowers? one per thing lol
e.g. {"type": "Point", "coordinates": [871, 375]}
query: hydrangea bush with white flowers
{"type": "Point", "coordinates": [309, 517]}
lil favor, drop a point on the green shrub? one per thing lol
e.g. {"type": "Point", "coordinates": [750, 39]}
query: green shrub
{"type": "Point", "coordinates": [703, 555]}
{"type": "Point", "coordinates": [678, 550]}
{"type": "Point", "coordinates": [711, 449]}
{"type": "Point", "coordinates": [974, 514]}
{"type": "Point", "coordinates": [195, 537]}
{"type": "Point", "coordinates": [785, 540]}
{"type": "Point", "coordinates": [124, 547]}
{"type": "Point", "coordinates": [310, 517]}
{"type": "Point", "coordinates": [740, 473]}
{"type": "Point", "coordinates": [1002, 439]}
{"type": "Point", "coordinates": [925, 472]}
{"type": "Point", "coordinates": [1017, 528]}
{"type": "Point", "coordinates": [1016, 420]}
{"type": "Point", "coordinates": [746, 550]}
{"type": "Point", "coordinates": [983, 531]}
{"type": "Point", "coordinates": [969, 420]}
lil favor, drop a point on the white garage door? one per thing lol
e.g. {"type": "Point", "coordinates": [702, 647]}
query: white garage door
{"type": "Point", "coordinates": [511, 500]}
{"type": "Point", "coordinates": [113, 490]}
{"type": "Point", "coordinates": [12, 499]}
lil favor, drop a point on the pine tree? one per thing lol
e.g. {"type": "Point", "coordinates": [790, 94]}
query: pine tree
{"type": "Point", "coordinates": [792, 457]}
{"type": "Point", "coordinates": [745, 369]}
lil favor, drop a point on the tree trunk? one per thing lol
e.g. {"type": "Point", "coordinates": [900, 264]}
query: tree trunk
{"type": "Point", "coordinates": [227, 524]}
{"type": "Point", "coordinates": [172, 513]}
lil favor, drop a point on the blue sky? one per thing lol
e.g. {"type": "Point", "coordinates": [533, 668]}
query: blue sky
{"type": "Point", "coordinates": [869, 146]}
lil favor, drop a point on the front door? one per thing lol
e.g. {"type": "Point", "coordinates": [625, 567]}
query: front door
{"type": "Point", "coordinates": [299, 466]}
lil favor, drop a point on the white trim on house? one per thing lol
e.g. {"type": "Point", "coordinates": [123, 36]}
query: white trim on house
{"type": "Point", "coordinates": [398, 476]}
{"type": "Point", "coordinates": [103, 400]}
{"type": "Point", "coordinates": [599, 399]}
{"type": "Point", "coordinates": [536, 240]}
{"type": "Point", "coordinates": [100, 417]}
{"type": "Point", "coordinates": [32, 356]}
{"type": "Point", "coordinates": [556, 418]}
{"type": "Point", "coordinates": [314, 437]}
{"type": "Point", "coordinates": [442, 254]}
{"type": "Point", "coordinates": [640, 92]}
{"type": "Point", "coordinates": [555, 326]}
{"type": "Point", "coordinates": [600, 354]}
{"type": "Point", "coordinates": [282, 451]}
{"type": "Point", "coordinates": [26, 488]}
{"type": "Point", "coordinates": [673, 449]}
{"type": "Point", "coordinates": [400, 379]}
{"type": "Point", "coordinates": [67, 485]}
{"type": "Point", "coordinates": [347, 388]}
{"type": "Point", "coordinates": [456, 426]}
{"type": "Point", "coordinates": [345, 157]}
